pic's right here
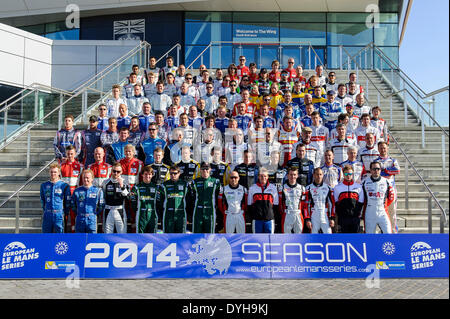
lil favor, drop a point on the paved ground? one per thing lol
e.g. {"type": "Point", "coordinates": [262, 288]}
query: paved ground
{"type": "Point", "coordinates": [225, 289]}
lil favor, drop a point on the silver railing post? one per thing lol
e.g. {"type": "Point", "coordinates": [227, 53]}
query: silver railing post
{"type": "Point", "coordinates": [309, 58]}
{"type": "Point", "coordinates": [280, 53]}
{"type": "Point", "coordinates": [17, 211]}
{"type": "Point", "coordinates": [260, 55]}
{"type": "Point", "coordinates": [422, 128]}
{"type": "Point", "coordinates": [210, 57]}
{"type": "Point", "coordinates": [28, 152]}
{"type": "Point", "coordinates": [367, 88]}
{"type": "Point", "coordinates": [348, 67]}
{"type": "Point", "coordinates": [443, 154]}
{"type": "Point", "coordinates": [5, 124]}
{"type": "Point", "coordinates": [405, 106]}
{"type": "Point", "coordinates": [441, 224]}
{"type": "Point", "coordinates": [84, 105]}
{"type": "Point", "coordinates": [178, 54]}
{"type": "Point", "coordinates": [392, 79]}
{"type": "Point", "coordinates": [406, 185]}
{"type": "Point", "coordinates": [365, 59]}
{"type": "Point", "coordinates": [36, 101]}
{"type": "Point", "coordinates": [391, 120]}
{"type": "Point", "coordinates": [378, 99]}
{"type": "Point", "coordinates": [340, 57]}
{"type": "Point", "coordinates": [430, 222]}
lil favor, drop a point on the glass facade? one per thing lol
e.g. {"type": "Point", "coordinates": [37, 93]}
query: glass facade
{"type": "Point", "coordinates": [54, 31]}
{"type": "Point", "coordinates": [265, 36]}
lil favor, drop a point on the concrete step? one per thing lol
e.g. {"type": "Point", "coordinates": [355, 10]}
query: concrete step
{"type": "Point", "coordinates": [417, 203]}
{"type": "Point", "coordinates": [420, 230]}
{"type": "Point", "coordinates": [27, 222]}
{"type": "Point", "coordinates": [22, 230]}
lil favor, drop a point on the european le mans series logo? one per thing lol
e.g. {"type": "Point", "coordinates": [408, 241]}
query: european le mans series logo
{"type": "Point", "coordinates": [16, 254]}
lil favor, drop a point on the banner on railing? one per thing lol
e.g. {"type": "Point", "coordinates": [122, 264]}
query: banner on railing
{"type": "Point", "coordinates": [275, 256]}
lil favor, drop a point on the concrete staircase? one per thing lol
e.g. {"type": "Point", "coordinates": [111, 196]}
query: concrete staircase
{"type": "Point", "coordinates": [427, 160]}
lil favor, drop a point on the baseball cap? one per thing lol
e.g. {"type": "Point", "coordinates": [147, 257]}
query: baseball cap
{"type": "Point", "coordinates": [205, 165]}
{"type": "Point", "coordinates": [93, 118]}
{"type": "Point", "coordinates": [263, 70]}
{"type": "Point", "coordinates": [331, 92]}
{"type": "Point", "coordinates": [349, 104]}
{"type": "Point", "coordinates": [306, 129]}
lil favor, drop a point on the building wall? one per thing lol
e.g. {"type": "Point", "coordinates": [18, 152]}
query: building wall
{"type": "Point", "coordinates": [25, 58]}
{"type": "Point", "coordinates": [84, 59]}
{"type": "Point", "coordinates": [163, 29]}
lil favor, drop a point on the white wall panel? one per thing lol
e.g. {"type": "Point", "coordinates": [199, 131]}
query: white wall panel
{"type": "Point", "coordinates": [37, 72]}
{"type": "Point", "coordinates": [37, 50]}
{"type": "Point", "coordinates": [11, 43]}
{"type": "Point", "coordinates": [11, 70]}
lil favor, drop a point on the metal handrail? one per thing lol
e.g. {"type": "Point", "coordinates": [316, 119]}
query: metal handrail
{"type": "Point", "coordinates": [394, 66]}
{"type": "Point", "coordinates": [443, 212]}
{"type": "Point", "coordinates": [27, 182]}
{"type": "Point", "coordinates": [201, 53]}
{"type": "Point", "coordinates": [256, 43]}
{"type": "Point", "coordinates": [167, 52]}
{"type": "Point", "coordinates": [445, 88]}
{"type": "Point", "coordinates": [34, 87]}
{"type": "Point", "coordinates": [36, 122]}
{"type": "Point", "coordinates": [384, 96]}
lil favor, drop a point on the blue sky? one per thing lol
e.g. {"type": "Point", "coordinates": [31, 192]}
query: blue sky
{"type": "Point", "coordinates": [424, 54]}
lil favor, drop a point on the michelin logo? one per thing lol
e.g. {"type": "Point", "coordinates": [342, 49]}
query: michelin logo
{"type": "Point", "coordinates": [15, 254]}
{"type": "Point", "coordinates": [392, 265]}
{"type": "Point", "coordinates": [56, 265]}
{"type": "Point", "coordinates": [424, 256]}
{"type": "Point", "coordinates": [213, 253]}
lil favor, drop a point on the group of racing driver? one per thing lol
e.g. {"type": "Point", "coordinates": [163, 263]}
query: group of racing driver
{"type": "Point", "coordinates": [240, 150]}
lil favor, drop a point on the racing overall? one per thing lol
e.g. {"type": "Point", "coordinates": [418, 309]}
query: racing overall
{"type": "Point", "coordinates": [87, 203]}
{"type": "Point", "coordinates": [233, 204]}
{"type": "Point", "coordinates": [205, 194]}
{"type": "Point", "coordinates": [292, 198]}
{"type": "Point", "coordinates": [319, 207]}
{"type": "Point", "coordinates": [114, 214]}
{"type": "Point", "coordinates": [55, 201]}
{"type": "Point", "coordinates": [143, 204]}
{"type": "Point", "coordinates": [378, 196]}
{"type": "Point", "coordinates": [171, 205]}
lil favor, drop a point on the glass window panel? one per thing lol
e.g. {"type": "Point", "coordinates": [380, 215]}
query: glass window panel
{"type": "Point", "coordinates": [391, 53]}
{"type": "Point", "coordinates": [386, 34]}
{"type": "Point", "coordinates": [205, 32]}
{"type": "Point", "coordinates": [268, 54]}
{"type": "Point", "coordinates": [348, 17]}
{"type": "Point", "coordinates": [221, 55]}
{"type": "Point", "coordinates": [315, 33]}
{"type": "Point", "coordinates": [36, 29]}
{"type": "Point", "coordinates": [348, 34]}
{"type": "Point", "coordinates": [302, 17]}
{"type": "Point", "coordinates": [290, 52]}
{"type": "Point", "coordinates": [55, 27]}
{"type": "Point", "coordinates": [256, 33]}
{"type": "Point", "coordinates": [389, 17]}
{"type": "Point", "coordinates": [202, 16]}
{"type": "Point", "coordinates": [192, 52]}
{"type": "Point", "coordinates": [251, 53]}
{"type": "Point", "coordinates": [255, 17]}
{"type": "Point", "coordinates": [73, 34]}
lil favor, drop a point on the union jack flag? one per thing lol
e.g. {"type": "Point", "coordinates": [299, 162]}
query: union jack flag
{"type": "Point", "coordinates": [129, 29]}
